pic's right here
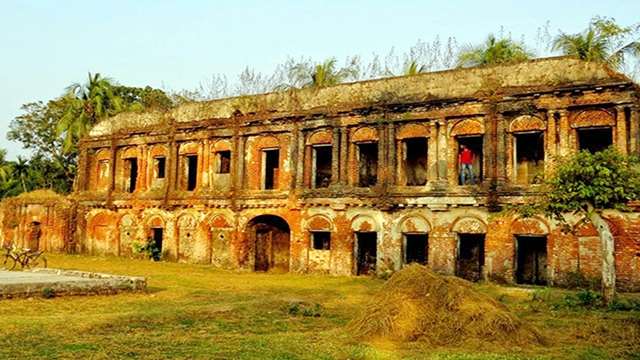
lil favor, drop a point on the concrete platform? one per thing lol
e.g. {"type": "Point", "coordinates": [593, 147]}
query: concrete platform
{"type": "Point", "coordinates": [47, 282]}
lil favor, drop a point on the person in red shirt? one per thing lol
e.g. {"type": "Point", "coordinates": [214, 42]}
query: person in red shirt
{"type": "Point", "coordinates": [465, 163]}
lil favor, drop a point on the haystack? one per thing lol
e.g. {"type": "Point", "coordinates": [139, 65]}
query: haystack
{"type": "Point", "coordinates": [416, 304]}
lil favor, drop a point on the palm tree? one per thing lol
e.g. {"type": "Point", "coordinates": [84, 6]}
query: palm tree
{"type": "Point", "coordinates": [412, 68]}
{"type": "Point", "coordinates": [86, 104]}
{"type": "Point", "coordinates": [306, 75]}
{"type": "Point", "coordinates": [5, 167]}
{"type": "Point", "coordinates": [493, 51]}
{"type": "Point", "coordinates": [603, 41]}
{"type": "Point", "coordinates": [21, 167]}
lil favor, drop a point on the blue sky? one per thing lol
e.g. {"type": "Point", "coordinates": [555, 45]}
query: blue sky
{"type": "Point", "coordinates": [47, 45]}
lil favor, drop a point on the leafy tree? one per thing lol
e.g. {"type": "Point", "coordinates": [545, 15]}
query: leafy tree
{"type": "Point", "coordinates": [36, 130]}
{"type": "Point", "coordinates": [142, 99]}
{"type": "Point", "coordinates": [493, 51]}
{"type": "Point", "coordinates": [86, 104]}
{"type": "Point", "coordinates": [587, 184]}
{"type": "Point", "coordinates": [603, 41]}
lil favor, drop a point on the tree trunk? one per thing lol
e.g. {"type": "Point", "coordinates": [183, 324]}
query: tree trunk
{"type": "Point", "coordinates": [608, 259]}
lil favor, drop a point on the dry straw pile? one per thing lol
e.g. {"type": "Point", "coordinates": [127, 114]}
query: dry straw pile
{"type": "Point", "coordinates": [416, 304]}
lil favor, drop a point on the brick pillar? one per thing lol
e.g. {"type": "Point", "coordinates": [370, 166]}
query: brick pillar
{"type": "Point", "coordinates": [501, 153]}
{"type": "Point", "coordinates": [240, 166]}
{"type": "Point", "coordinates": [335, 156]}
{"type": "Point", "coordinates": [443, 153]}
{"type": "Point", "coordinates": [633, 130]}
{"type": "Point", "coordinates": [442, 250]}
{"type": "Point", "coordinates": [432, 158]}
{"type": "Point", "coordinates": [205, 149]}
{"type": "Point", "coordinates": [391, 154]}
{"type": "Point", "coordinates": [297, 156]}
{"type": "Point", "coordinates": [344, 159]}
{"type": "Point", "coordinates": [383, 149]}
{"type": "Point", "coordinates": [143, 156]}
{"type": "Point", "coordinates": [564, 147]}
{"type": "Point", "coordinates": [620, 137]}
{"type": "Point", "coordinates": [550, 144]}
{"type": "Point", "coordinates": [489, 148]}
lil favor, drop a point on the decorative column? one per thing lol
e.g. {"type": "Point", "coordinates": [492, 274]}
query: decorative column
{"type": "Point", "coordinates": [501, 152]}
{"type": "Point", "coordinates": [299, 150]}
{"type": "Point", "coordinates": [205, 149]}
{"type": "Point", "coordinates": [335, 156]}
{"type": "Point", "coordinates": [550, 141]}
{"type": "Point", "coordinates": [344, 159]}
{"type": "Point", "coordinates": [633, 130]}
{"type": "Point", "coordinates": [391, 165]}
{"type": "Point", "coordinates": [432, 157]}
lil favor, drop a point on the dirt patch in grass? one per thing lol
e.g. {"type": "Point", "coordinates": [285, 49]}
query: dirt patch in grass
{"type": "Point", "coordinates": [418, 304]}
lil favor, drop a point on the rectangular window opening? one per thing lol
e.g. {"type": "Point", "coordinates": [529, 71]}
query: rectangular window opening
{"type": "Point", "coordinates": [131, 167]}
{"type": "Point", "coordinates": [595, 139]}
{"type": "Point", "coordinates": [271, 164]}
{"type": "Point", "coordinates": [474, 144]}
{"type": "Point", "coordinates": [531, 260]}
{"type": "Point", "coordinates": [415, 161]}
{"type": "Point", "coordinates": [470, 259]}
{"type": "Point", "coordinates": [322, 165]}
{"type": "Point", "coordinates": [416, 248]}
{"type": "Point", "coordinates": [224, 162]}
{"type": "Point", "coordinates": [156, 240]}
{"type": "Point", "coordinates": [321, 240]}
{"type": "Point", "coordinates": [159, 167]}
{"type": "Point", "coordinates": [529, 157]}
{"type": "Point", "coordinates": [192, 172]}
{"type": "Point", "coordinates": [367, 164]}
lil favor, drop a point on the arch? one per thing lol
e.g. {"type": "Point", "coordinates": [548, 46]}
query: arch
{"type": "Point", "coordinates": [186, 221]}
{"type": "Point", "coordinates": [413, 131]}
{"type": "Point", "coordinates": [319, 223]}
{"type": "Point", "coordinates": [467, 127]}
{"type": "Point", "coordinates": [127, 220]}
{"type": "Point", "coordinates": [268, 243]}
{"type": "Point", "coordinates": [99, 219]}
{"type": "Point", "coordinates": [366, 133]}
{"type": "Point", "coordinates": [130, 152]}
{"type": "Point", "coordinates": [102, 154]}
{"type": "Point", "coordinates": [157, 150]}
{"type": "Point", "coordinates": [320, 137]}
{"type": "Point", "coordinates": [219, 221]}
{"type": "Point", "coordinates": [529, 226]}
{"type": "Point", "coordinates": [414, 223]}
{"type": "Point", "coordinates": [364, 223]}
{"type": "Point", "coordinates": [188, 148]}
{"type": "Point", "coordinates": [469, 225]}
{"type": "Point", "coordinates": [155, 221]}
{"type": "Point", "coordinates": [265, 142]}
{"type": "Point", "coordinates": [527, 123]}
{"type": "Point", "coordinates": [222, 145]}
{"type": "Point", "coordinates": [593, 118]}
{"type": "Point", "coordinates": [587, 228]}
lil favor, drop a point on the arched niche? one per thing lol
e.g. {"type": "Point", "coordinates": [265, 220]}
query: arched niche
{"type": "Point", "coordinates": [529, 226]}
{"type": "Point", "coordinates": [320, 137]}
{"type": "Point", "coordinates": [413, 131]}
{"type": "Point", "coordinates": [186, 221]}
{"type": "Point", "coordinates": [155, 221]}
{"type": "Point", "coordinates": [157, 151]}
{"type": "Point", "coordinates": [222, 145]}
{"type": "Point", "coordinates": [364, 223]}
{"type": "Point", "coordinates": [219, 222]}
{"type": "Point", "coordinates": [319, 223]}
{"type": "Point", "coordinates": [593, 118]}
{"type": "Point", "coordinates": [527, 123]}
{"type": "Point", "coordinates": [265, 142]}
{"type": "Point", "coordinates": [130, 152]}
{"type": "Point", "coordinates": [101, 155]}
{"type": "Point", "coordinates": [469, 225]}
{"type": "Point", "coordinates": [188, 148]}
{"type": "Point", "coordinates": [364, 134]}
{"type": "Point", "coordinates": [414, 224]}
{"type": "Point", "coordinates": [468, 127]}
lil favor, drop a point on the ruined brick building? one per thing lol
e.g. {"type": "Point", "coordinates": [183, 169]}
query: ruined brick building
{"type": "Point", "coordinates": [358, 178]}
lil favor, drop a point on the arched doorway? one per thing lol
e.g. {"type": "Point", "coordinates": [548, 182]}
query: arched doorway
{"type": "Point", "coordinates": [269, 238]}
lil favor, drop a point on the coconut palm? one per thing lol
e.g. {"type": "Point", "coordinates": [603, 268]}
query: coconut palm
{"type": "Point", "coordinates": [86, 104]}
{"type": "Point", "coordinates": [412, 68]}
{"type": "Point", "coordinates": [492, 51]}
{"type": "Point", "coordinates": [306, 75]}
{"type": "Point", "coordinates": [603, 41]}
{"type": "Point", "coordinates": [20, 168]}
{"type": "Point", "coordinates": [5, 167]}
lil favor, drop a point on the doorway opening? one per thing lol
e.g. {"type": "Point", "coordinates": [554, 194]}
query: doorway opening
{"type": "Point", "coordinates": [192, 172]}
{"type": "Point", "coordinates": [322, 158]}
{"type": "Point", "coordinates": [131, 167]}
{"type": "Point", "coordinates": [269, 236]}
{"type": "Point", "coordinates": [156, 240]}
{"type": "Point", "coordinates": [531, 260]}
{"type": "Point", "coordinates": [415, 161]}
{"type": "Point", "coordinates": [367, 164]}
{"type": "Point", "coordinates": [473, 143]}
{"type": "Point", "coordinates": [470, 259]}
{"type": "Point", "coordinates": [367, 243]}
{"type": "Point", "coordinates": [271, 164]}
{"type": "Point", "coordinates": [416, 248]}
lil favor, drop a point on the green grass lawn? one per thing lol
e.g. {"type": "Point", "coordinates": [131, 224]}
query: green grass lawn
{"type": "Point", "coordinates": [199, 312]}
